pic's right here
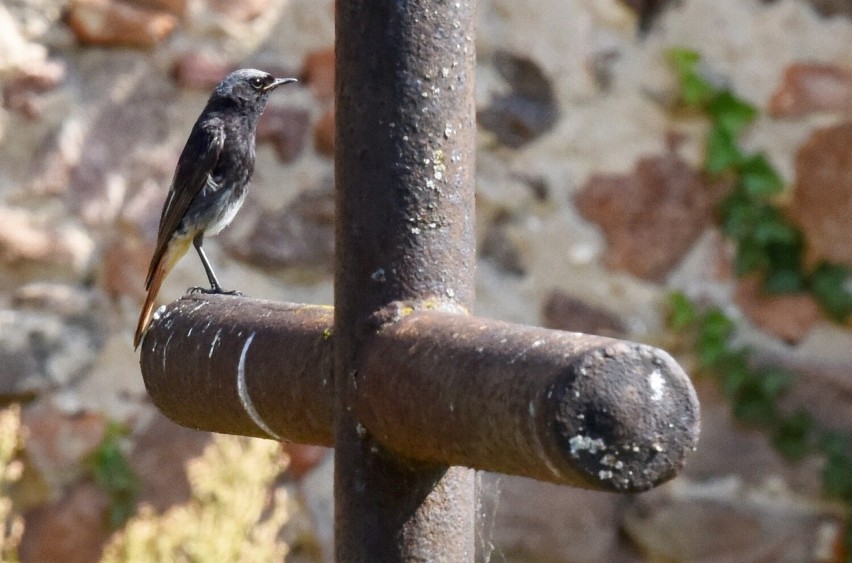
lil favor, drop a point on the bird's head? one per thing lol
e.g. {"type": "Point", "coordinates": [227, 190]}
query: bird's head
{"type": "Point", "coordinates": [248, 88]}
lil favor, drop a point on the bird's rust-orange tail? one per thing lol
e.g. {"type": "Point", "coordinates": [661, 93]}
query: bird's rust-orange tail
{"type": "Point", "coordinates": [160, 268]}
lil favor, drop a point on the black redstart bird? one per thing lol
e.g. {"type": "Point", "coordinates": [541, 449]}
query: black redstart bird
{"type": "Point", "coordinates": [211, 178]}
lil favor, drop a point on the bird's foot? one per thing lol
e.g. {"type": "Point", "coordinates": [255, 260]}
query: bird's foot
{"type": "Point", "coordinates": [213, 291]}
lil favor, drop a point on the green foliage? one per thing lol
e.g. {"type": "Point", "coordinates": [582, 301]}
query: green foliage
{"type": "Point", "coordinates": [837, 473]}
{"type": "Point", "coordinates": [729, 113]}
{"type": "Point", "coordinates": [830, 285]}
{"type": "Point", "coordinates": [695, 90]}
{"type": "Point", "coordinates": [112, 472]}
{"type": "Point", "coordinates": [235, 511]}
{"type": "Point", "coordinates": [754, 392]}
{"type": "Point", "coordinates": [11, 522]}
{"type": "Point", "coordinates": [767, 243]}
{"type": "Point", "coordinates": [794, 435]}
{"type": "Point", "coordinates": [682, 313]}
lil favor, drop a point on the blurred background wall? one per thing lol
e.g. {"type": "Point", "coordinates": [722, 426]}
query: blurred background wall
{"type": "Point", "coordinates": [597, 199]}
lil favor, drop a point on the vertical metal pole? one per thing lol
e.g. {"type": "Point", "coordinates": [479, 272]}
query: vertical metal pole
{"type": "Point", "coordinates": [405, 201]}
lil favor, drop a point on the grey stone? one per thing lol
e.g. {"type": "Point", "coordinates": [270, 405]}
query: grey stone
{"type": "Point", "coordinates": [42, 350]}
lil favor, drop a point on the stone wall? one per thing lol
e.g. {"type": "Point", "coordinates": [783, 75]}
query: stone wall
{"type": "Point", "coordinates": [592, 208]}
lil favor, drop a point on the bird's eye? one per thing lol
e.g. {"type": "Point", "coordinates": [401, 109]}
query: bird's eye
{"type": "Point", "coordinates": [256, 83]}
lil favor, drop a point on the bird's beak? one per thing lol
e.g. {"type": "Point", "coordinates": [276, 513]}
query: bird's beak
{"type": "Point", "coordinates": [278, 82]}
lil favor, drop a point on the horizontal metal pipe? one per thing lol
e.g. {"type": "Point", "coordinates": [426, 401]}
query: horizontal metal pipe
{"type": "Point", "coordinates": [557, 406]}
{"type": "Point", "coordinates": [433, 386]}
{"type": "Point", "coordinates": [243, 366]}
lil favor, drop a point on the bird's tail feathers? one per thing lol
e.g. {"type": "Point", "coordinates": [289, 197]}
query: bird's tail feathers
{"type": "Point", "coordinates": [175, 250]}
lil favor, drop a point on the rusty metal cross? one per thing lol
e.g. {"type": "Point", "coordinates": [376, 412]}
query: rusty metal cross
{"type": "Point", "coordinates": [412, 391]}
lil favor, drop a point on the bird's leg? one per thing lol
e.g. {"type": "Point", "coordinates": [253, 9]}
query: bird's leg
{"type": "Point", "coordinates": [215, 287]}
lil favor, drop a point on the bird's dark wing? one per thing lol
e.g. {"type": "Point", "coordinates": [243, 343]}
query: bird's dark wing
{"type": "Point", "coordinates": [197, 160]}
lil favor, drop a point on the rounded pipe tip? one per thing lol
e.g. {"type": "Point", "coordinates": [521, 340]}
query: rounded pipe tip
{"type": "Point", "coordinates": [625, 416]}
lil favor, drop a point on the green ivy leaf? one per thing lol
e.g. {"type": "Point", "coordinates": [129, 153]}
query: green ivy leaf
{"type": "Point", "coordinates": [730, 113]}
{"type": "Point", "coordinates": [682, 313]}
{"type": "Point", "coordinates": [834, 443]}
{"type": "Point", "coordinates": [734, 376]}
{"type": "Point", "coordinates": [713, 334]}
{"type": "Point", "coordinates": [773, 381]}
{"type": "Point", "coordinates": [682, 59]}
{"type": "Point", "coordinates": [753, 407]}
{"type": "Point", "coordinates": [771, 228]}
{"type": "Point", "coordinates": [837, 478]}
{"type": "Point", "coordinates": [830, 285]}
{"type": "Point", "coordinates": [758, 177]}
{"type": "Point", "coordinates": [793, 435]}
{"type": "Point", "coordinates": [739, 215]}
{"type": "Point", "coordinates": [113, 473]}
{"type": "Point", "coordinates": [784, 281]}
{"type": "Point", "coordinates": [695, 91]}
{"type": "Point", "coordinates": [751, 256]}
{"type": "Point", "coordinates": [721, 151]}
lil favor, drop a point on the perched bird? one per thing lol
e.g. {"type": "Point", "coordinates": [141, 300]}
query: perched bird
{"type": "Point", "coordinates": [211, 178]}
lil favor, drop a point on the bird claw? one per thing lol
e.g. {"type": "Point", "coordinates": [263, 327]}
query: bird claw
{"type": "Point", "coordinates": [213, 291]}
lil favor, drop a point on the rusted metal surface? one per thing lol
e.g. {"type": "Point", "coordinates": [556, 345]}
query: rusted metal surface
{"type": "Point", "coordinates": [441, 387]}
{"type": "Point", "coordinates": [564, 407]}
{"type": "Point", "coordinates": [243, 366]}
{"type": "Point", "coordinates": [404, 169]}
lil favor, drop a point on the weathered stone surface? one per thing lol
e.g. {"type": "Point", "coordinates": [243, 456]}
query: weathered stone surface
{"type": "Point", "coordinates": [161, 450]}
{"type": "Point", "coordinates": [727, 448]}
{"type": "Point", "coordinates": [529, 109]}
{"type": "Point", "coordinates": [285, 129]}
{"type": "Point", "coordinates": [124, 265]}
{"type": "Point", "coordinates": [503, 245]}
{"type": "Point", "coordinates": [69, 301]}
{"type": "Point", "coordinates": [647, 11]}
{"type": "Point", "coordinates": [822, 197]}
{"type": "Point", "coordinates": [650, 217]}
{"type": "Point", "coordinates": [17, 52]}
{"type": "Point", "coordinates": [244, 11]}
{"type": "Point", "coordinates": [71, 530]}
{"type": "Point", "coordinates": [829, 8]}
{"type": "Point", "coordinates": [318, 73]}
{"type": "Point", "coordinates": [30, 247]}
{"type": "Point", "coordinates": [35, 17]}
{"type": "Point", "coordinates": [41, 351]}
{"type": "Point", "coordinates": [124, 147]}
{"type": "Point", "coordinates": [525, 520]}
{"type": "Point", "coordinates": [176, 7]}
{"type": "Point", "coordinates": [788, 316]}
{"type": "Point", "coordinates": [299, 236]}
{"type": "Point", "coordinates": [324, 133]}
{"type": "Point", "coordinates": [817, 381]}
{"type": "Point", "coordinates": [200, 71]}
{"type": "Point", "coordinates": [57, 442]}
{"type": "Point", "coordinates": [21, 93]}
{"type": "Point", "coordinates": [810, 87]}
{"type": "Point", "coordinates": [561, 311]}
{"type": "Point", "coordinates": [116, 22]}
{"type": "Point", "coordinates": [303, 458]}
{"type": "Point", "coordinates": [739, 486]}
{"type": "Point", "coordinates": [727, 521]}
{"type": "Point", "coordinates": [316, 493]}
